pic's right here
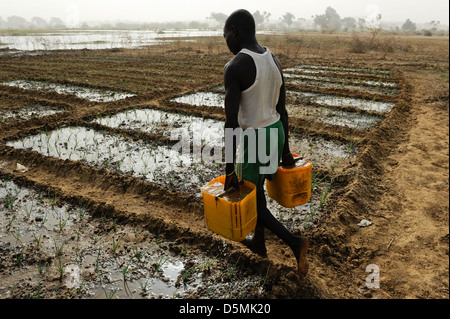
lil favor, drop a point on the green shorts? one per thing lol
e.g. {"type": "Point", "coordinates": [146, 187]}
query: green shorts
{"type": "Point", "coordinates": [256, 169]}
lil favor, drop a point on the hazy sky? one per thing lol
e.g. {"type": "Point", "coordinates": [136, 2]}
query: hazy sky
{"type": "Point", "coordinates": [187, 10]}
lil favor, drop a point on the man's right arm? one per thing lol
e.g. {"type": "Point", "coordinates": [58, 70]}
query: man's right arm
{"type": "Point", "coordinates": [232, 101]}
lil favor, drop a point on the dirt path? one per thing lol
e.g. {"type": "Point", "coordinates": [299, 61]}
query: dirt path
{"type": "Point", "coordinates": [409, 237]}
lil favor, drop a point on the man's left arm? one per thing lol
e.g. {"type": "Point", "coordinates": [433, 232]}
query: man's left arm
{"type": "Point", "coordinates": [287, 158]}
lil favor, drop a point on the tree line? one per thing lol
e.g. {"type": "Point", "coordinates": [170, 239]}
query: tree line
{"type": "Point", "coordinates": [16, 22]}
{"type": "Point", "coordinates": [328, 22]}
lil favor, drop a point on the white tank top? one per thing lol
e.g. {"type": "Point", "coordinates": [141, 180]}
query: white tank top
{"type": "Point", "coordinates": [258, 103]}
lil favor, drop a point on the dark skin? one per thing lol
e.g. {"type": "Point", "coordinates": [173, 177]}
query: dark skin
{"type": "Point", "coordinates": [239, 75]}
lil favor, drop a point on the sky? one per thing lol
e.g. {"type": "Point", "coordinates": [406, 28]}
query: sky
{"type": "Point", "coordinates": [419, 11]}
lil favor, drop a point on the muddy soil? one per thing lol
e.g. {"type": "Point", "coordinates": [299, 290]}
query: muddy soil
{"type": "Point", "coordinates": [397, 179]}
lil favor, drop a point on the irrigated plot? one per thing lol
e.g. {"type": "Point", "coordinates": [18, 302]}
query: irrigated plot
{"type": "Point", "coordinates": [316, 69]}
{"type": "Point", "coordinates": [389, 91]}
{"type": "Point", "coordinates": [29, 112]}
{"type": "Point", "coordinates": [95, 95]}
{"type": "Point", "coordinates": [327, 115]}
{"type": "Point", "coordinates": [202, 99]}
{"type": "Point", "coordinates": [341, 81]}
{"type": "Point", "coordinates": [204, 131]}
{"type": "Point", "coordinates": [46, 244]}
{"type": "Point", "coordinates": [333, 116]}
{"type": "Point", "coordinates": [211, 132]}
{"type": "Point", "coordinates": [335, 100]}
{"type": "Point", "coordinates": [163, 165]}
{"type": "Point", "coordinates": [325, 154]}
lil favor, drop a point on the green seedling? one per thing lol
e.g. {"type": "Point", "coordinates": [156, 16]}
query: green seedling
{"type": "Point", "coordinates": [280, 215]}
{"type": "Point", "coordinates": [13, 218]}
{"type": "Point", "coordinates": [325, 194]}
{"type": "Point", "coordinates": [161, 244]}
{"type": "Point", "coordinates": [16, 236]}
{"type": "Point", "coordinates": [185, 250]}
{"type": "Point", "coordinates": [18, 256]}
{"type": "Point", "coordinates": [143, 285]}
{"type": "Point", "coordinates": [95, 237]}
{"type": "Point", "coordinates": [140, 255]}
{"type": "Point", "coordinates": [62, 223]}
{"type": "Point", "coordinates": [81, 286]}
{"type": "Point", "coordinates": [37, 239]}
{"type": "Point", "coordinates": [41, 267]}
{"type": "Point", "coordinates": [316, 181]}
{"type": "Point", "coordinates": [53, 202]}
{"type": "Point", "coordinates": [29, 210]}
{"type": "Point", "coordinates": [36, 295]}
{"type": "Point", "coordinates": [115, 243]}
{"type": "Point", "coordinates": [111, 294]}
{"type": "Point", "coordinates": [265, 279]}
{"type": "Point", "coordinates": [232, 268]}
{"type": "Point", "coordinates": [125, 271]}
{"type": "Point", "coordinates": [187, 274]}
{"type": "Point", "coordinates": [58, 249]}
{"type": "Point", "coordinates": [161, 261]}
{"type": "Point", "coordinates": [60, 269]}
{"type": "Point", "coordinates": [9, 201]}
{"type": "Point", "coordinates": [97, 261]}
{"type": "Point", "coordinates": [206, 264]}
{"type": "Point", "coordinates": [350, 146]}
{"type": "Point", "coordinates": [44, 219]}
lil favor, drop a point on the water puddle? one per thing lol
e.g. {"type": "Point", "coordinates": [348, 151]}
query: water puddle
{"type": "Point", "coordinates": [332, 116]}
{"type": "Point", "coordinates": [211, 132]}
{"type": "Point", "coordinates": [96, 39]}
{"type": "Point", "coordinates": [27, 113]}
{"type": "Point", "coordinates": [94, 95]}
{"type": "Point", "coordinates": [207, 131]}
{"type": "Point", "coordinates": [334, 100]}
{"type": "Point", "coordinates": [339, 70]}
{"type": "Point", "coordinates": [99, 258]}
{"type": "Point", "coordinates": [362, 88]}
{"type": "Point", "coordinates": [164, 165]}
{"type": "Point", "coordinates": [342, 81]}
{"type": "Point", "coordinates": [202, 99]}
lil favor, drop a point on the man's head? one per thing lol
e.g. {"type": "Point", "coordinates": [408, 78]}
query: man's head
{"type": "Point", "coordinates": [239, 28]}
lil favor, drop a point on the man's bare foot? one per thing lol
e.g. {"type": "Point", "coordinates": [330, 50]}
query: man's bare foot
{"type": "Point", "coordinates": [255, 246]}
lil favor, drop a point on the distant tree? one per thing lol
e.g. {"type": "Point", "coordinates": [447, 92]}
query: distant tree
{"type": "Point", "coordinates": [16, 22]}
{"type": "Point", "coordinates": [2, 23]}
{"type": "Point", "coordinates": [330, 21]}
{"type": "Point", "coordinates": [434, 25]}
{"type": "Point", "coordinates": [349, 23]}
{"type": "Point", "coordinates": [197, 25]}
{"type": "Point", "coordinates": [56, 23]}
{"type": "Point", "coordinates": [219, 17]}
{"type": "Point", "coordinates": [39, 23]}
{"type": "Point", "coordinates": [361, 24]}
{"type": "Point", "coordinates": [288, 18]}
{"type": "Point", "coordinates": [260, 18]}
{"type": "Point", "coordinates": [409, 26]}
{"type": "Point", "coordinates": [373, 23]}
{"type": "Point", "coordinates": [300, 22]}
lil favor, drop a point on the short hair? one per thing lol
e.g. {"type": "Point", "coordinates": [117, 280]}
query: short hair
{"type": "Point", "coordinates": [243, 21]}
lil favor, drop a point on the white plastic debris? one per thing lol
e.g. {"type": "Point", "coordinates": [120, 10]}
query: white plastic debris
{"type": "Point", "coordinates": [364, 223]}
{"type": "Point", "coordinates": [20, 168]}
